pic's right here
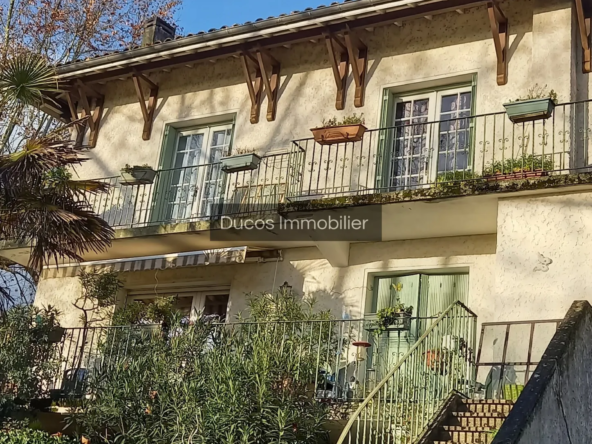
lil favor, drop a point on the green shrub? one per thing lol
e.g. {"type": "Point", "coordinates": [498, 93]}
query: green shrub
{"type": "Point", "coordinates": [455, 176]}
{"type": "Point", "coordinates": [213, 384]}
{"type": "Point", "coordinates": [27, 356]}
{"type": "Point", "coordinates": [30, 436]}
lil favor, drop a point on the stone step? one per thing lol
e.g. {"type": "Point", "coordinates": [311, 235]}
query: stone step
{"type": "Point", "coordinates": [486, 406]}
{"type": "Point", "coordinates": [466, 435]}
{"type": "Point", "coordinates": [477, 419]}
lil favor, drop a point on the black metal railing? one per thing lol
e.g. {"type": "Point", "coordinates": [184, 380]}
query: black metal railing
{"type": "Point", "coordinates": [193, 194]}
{"type": "Point", "coordinates": [420, 153]}
{"type": "Point", "coordinates": [351, 357]}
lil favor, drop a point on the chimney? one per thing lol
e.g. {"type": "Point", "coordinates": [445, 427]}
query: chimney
{"type": "Point", "coordinates": [156, 30]}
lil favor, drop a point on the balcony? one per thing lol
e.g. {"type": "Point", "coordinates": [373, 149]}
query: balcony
{"type": "Point", "coordinates": [194, 194]}
{"type": "Point", "coordinates": [419, 158]}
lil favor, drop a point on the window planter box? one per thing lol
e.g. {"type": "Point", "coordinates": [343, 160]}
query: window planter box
{"type": "Point", "coordinates": [528, 110]}
{"type": "Point", "coordinates": [240, 162]}
{"type": "Point", "coordinates": [338, 134]}
{"type": "Point", "coordinates": [516, 176]}
{"type": "Point", "coordinates": [401, 323]}
{"type": "Point", "coordinates": [138, 176]}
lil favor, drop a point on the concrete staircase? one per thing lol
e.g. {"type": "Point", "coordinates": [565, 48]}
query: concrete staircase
{"type": "Point", "coordinates": [472, 421]}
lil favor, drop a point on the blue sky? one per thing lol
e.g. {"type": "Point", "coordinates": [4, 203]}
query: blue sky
{"type": "Point", "coordinates": [197, 15]}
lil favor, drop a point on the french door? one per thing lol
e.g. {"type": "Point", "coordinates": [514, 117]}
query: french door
{"type": "Point", "coordinates": [197, 180]}
{"type": "Point", "coordinates": [431, 137]}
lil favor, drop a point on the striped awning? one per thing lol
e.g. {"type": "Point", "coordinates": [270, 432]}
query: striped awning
{"type": "Point", "coordinates": [176, 260]}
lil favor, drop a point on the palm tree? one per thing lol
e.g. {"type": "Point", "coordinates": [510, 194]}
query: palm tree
{"type": "Point", "coordinates": [40, 204]}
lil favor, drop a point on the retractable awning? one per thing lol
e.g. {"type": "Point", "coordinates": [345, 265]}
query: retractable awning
{"type": "Point", "coordinates": [176, 260]}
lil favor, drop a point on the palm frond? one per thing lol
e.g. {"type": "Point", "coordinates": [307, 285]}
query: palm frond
{"type": "Point", "coordinates": [28, 79]}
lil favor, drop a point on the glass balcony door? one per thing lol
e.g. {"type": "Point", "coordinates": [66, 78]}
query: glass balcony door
{"type": "Point", "coordinates": [428, 137]}
{"type": "Point", "coordinates": [196, 181]}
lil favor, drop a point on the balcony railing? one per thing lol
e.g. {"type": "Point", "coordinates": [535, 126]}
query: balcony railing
{"type": "Point", "coordinates": [419, 153]}
{"type": "Point", "coordinates": [350, 358]}
{"type": "Point", "coordinates": [193, 194]}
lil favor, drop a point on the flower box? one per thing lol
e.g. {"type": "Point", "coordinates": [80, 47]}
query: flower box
{"type": "Point", "coordinates": [528, 110]}
{"type": "Point", "coordinates": [339, 134]}
{"type": "Point", "coordinates": [516, 176]}
{"type": "Point", "coordinates": [138, 175]}
{"type": "Point", "coordinates": [240, 162]}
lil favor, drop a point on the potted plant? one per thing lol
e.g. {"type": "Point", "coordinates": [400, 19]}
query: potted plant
{"type": "Point", "coordinates": [137, 175]}
{"type": "Point", "coordinates": [436, 360]}
{"type": "Point", "coordinates": [538, 103]}
{"type": "Point", "coordinates": [244, 159]}
{"type": "Point", "coordinates": [350, 129]}
{"type": "Point", "coordinates": [397, 317]}
{"type": "Point", "coordinates": [523, 167]}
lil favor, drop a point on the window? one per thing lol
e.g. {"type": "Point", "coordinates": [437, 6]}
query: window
{"type": "Point", "coordinates": [431, 136]}
{"type": "Point", "coordinates": [195, 181]}
{"type": "Point", "coordinates": [212, 304]}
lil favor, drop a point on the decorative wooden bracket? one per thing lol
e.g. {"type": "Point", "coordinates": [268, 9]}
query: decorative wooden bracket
{"type": "Point", "coordinates": [270, 70]}
{"type": "Point", "coordinates": [254, 87]}
{"type": "Point", "coordinates": [339, 58]}
{"type": "Point", "coordinates": [92, 110]}
{"type": "Point", "coordinates": [499, 29]}
{"type": "Point", "coordinates": [584, 15]}
{"type": "Point", "coordinates": [358, 56]}
{"type": "Point", "coordinates": [147, 109]}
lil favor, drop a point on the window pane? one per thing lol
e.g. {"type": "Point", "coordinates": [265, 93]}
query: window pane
{"type": "Point", "coordinates": [216, 306]}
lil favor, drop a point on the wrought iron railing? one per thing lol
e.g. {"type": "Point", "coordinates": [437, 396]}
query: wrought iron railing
{"type": "Point", "coordinates": [402, 404]}
{"type": "Point", "coordinates": [193, 194]}
{"type": "Point", "coordinates": [350, 355]}
{"type": "Point", "coordinates": [419, 153]}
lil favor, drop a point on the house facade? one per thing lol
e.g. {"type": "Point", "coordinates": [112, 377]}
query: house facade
{"type": "Point", "coordinates": [471, 206]}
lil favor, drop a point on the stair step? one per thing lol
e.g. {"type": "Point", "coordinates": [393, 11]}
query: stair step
{"type": "Point", "coordinates": [487, 420]}
{"type": "Point", "coordinates": [479, 414]}
{"type": "Point", "coordinates": [468, 435]}
{"type": "Point", "coordinates": [486, 406]}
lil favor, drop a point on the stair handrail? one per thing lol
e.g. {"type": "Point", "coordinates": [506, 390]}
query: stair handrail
{"type": "Point", "coordinates": [437, 365]}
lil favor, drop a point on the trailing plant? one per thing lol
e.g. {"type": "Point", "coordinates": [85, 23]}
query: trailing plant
{"type": "Point", "coordinates": [354, 119]}
{"type": "Point", "coordinates": [524, 163]}
{"type": "Point", "coordinates": [210, 383]}
{"type": "Point", "coordinates": [538, 92]}
{"type": "Point", "coordinates": [243, 150]}
{"type": "Point", "coordinates": [28, 357]}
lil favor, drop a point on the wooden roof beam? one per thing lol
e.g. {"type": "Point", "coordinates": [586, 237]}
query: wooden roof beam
{"type": "Point", "coordinates": [254, 85]}
{"type": "Point", "coordinates": [270, 71]}
{"type": "Point", "coordinates": [92, 110]}
{"type": "Point", "coordinates": [339, 58]}
{"type": "Point", "coordinates": [147, 105]}
{"type": "Point", "coordinates": [358, 57]}
{"type": "Point", "coordinates": [499, 30]}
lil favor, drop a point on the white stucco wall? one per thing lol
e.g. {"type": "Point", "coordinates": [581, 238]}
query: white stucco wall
{"type": "Point", "coordinates": [343, 290]}
{"type": "Point", "coordinates": [400, 57]}
{"type": "Point", "coordinates": [532, 232]}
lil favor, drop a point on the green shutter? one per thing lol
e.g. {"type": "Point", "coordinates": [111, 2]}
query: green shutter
{"type": "Point", "coordinates": [445, 290]}
{"type": "Point", "coordinates": [383, 156]}
{"type": "Point", "coordinates": [164, 178]}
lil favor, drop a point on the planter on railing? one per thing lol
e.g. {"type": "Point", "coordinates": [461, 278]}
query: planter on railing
{"type": "Point", "coordinates": [528, 110]}
{"type": "Point", "coordinates": [339, 134]}
{"type": "Point", "coordinates": [55, 335]}
{"type": "Point", "coordinates": [137, 175]}
{"type": "Point", "coordinates": [240, 162]}
{"type": "Point", "coordinates": [516, 175]}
